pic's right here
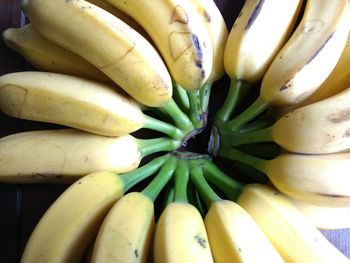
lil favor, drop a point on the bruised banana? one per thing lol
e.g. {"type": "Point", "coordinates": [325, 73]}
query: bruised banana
{"type": "Point", "coordinates": [180, 35]}
{"type": "Point", "coordinates": [324, 217]}
{"type": "Point", "coordinates": [67, 154]}
{"type": "Point", "coordinates": [47, 56]}
{"type": "Point", "coordinates": [126, 231]}
{"type": "Point", "coordinates": [300, 68]}
{"type": "Point", "coordinates": [77, 103]}
{"type": "Point", "coordinates": [181, 236]}
{"type": "Point", "coordinates": [318, 128]}
{"type": "Point", "coordinates": [72, 221]}
{"type": "Point", "coordinates": [295, 238]}
{"type": "Point", "coordinates": [115, 48]}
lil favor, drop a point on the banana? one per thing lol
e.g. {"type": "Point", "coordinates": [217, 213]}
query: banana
{"type": "Point", "coordinates": [115, 48]}
{"type": "Point", "coordinates": [181, 236]}
{"type": "Point", "coordinates": [324, 217]}
{"type": "Point", "coordinates": [295, 238]}
{"type": "Point", "coordinates": [179, 34]}
{"type": "Point", "coordinates": [67, 154]}
{"type": "Point", "coordinates": [126, 232]}
{"type": "Point", "coordinates": [257, 35]}
{"type": "Point", "coordinates": [318, 128]}
{"type": "Point", "coordinates": [300, 68]}
{"type": "Point", "coordinates": [235, 237]}
{"type": "Point", "coordinates": [71, 222]}
{"type": "Point", "coordinates": [79, 103]}
{"type": "Point", "coordinates": [47, 56]}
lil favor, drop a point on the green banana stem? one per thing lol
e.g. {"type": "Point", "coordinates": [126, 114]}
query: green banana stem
{"type": "Point", "coordinates": [166, 172]}
{"type": "Point", "coordinates": [256, 108]}
{"type": "Point", "coordinates": [181, 98]}
{"type": "Point", "coordinates": [197, 117]}
{"type": "Point", "coordinates": [164, 127]}
{"type": "Point", "coordinates": [182, 121]}
{"type": "Point", "coordinates": [196, 175]}
{"type": "Point", "coordinates": [132, 178]}
{"type": "Point", "coordinates": [237, 90]}
{"type": "Point", "coordinates": [181, 181]}
{"type": "Point", "coordinates": [263, 135]}
{"type": "Point", "coordinates": [195, 199]}
{"type": "Point", "coordinates": [149, 146]}
{"type": "Point", "coordinates": [261, 123]}
{"type": "Point", "coordinates": [245, 158]}
{"type": "Point", "coordinates": [204, 96]}
{"type": "Point", "coordinates": [169, 195]}
{"type": "Point", "coordinates": [230, 187]}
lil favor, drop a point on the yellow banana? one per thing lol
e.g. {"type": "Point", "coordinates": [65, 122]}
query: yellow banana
{"type": "Point", "coordinates": [114, 47]}
{"type": "Point", "coordinates": [67, 154]}
{"type": "Point", "coordinates": [47, 56]}
{"type": "Point", "coordinates": [78, 103]}
{"type": "Point", "coordinates": [71, 222]}
{"type": "Point", "coordinates": [126, 232]}
{"type": "Point", "coordinates": [179, 34]}
{"type": "Point", "coordinates": [305, 61]}
{"type": "Point", "coordinates": [181, 236]}
{"type": "Point", "coordinates": [235, 237]}
{"type": "Point", "coordinates": [296, 239]}
{"type": "Point", "coordinates": [324, 217]}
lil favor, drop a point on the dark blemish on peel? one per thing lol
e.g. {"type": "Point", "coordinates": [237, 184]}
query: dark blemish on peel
{"type": "Point", "coordinates": [284, 87]}
{"type": "Point", "coordinates": [200, 240]}
{"type": "Point", "coordinates": [339, 117]}
{"type": "Point", "coordinates": [207, 16]}
{"type": "Point", "coordinates": [320, 48]}
{"type": "Point", "coordinates": [179, 15]}
{"type": "Point", "coordinates": [254, 14]}
{"type": "Point", "coordinates": [136, 252]}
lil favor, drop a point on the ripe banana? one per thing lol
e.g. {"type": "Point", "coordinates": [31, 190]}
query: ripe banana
{"type": "Point", "coordinates": [77, 103]}
{"type": "Point", "coordinates": [235, 237]}
{"type": "Point", "coordinates": [295, 238]}
{"type": "Point", "coordinates": [67, 154]}
{"type": "Point", "coordinates": [305, 61]}
{"type": "Point", "coordinates": [126, 232]}
{"type": "Point", "coordinates": [181, 236]}
{"type": "Point", "coordinates": [324, 217]}
{"type": "Point", "coordinates": [114, 47]}
{"type": "Point", "coordinates": [71, 222]}
{"type": "Point", "coordinates": [318, 128]}
{"type": "Point", "coordinates": [179, 34]}
{"type": "Point", "coordinates": [47, 56]}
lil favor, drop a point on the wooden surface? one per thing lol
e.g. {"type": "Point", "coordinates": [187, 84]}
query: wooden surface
{"type": "Point", "coordinates": [21, 206]}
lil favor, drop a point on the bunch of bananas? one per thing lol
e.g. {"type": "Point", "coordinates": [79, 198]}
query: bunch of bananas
{"type": "Point", "coordinates": [109, 70]}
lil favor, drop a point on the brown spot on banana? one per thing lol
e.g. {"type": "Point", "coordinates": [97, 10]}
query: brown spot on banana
{"type": "Point", "coordinates": [339, 117]}
{"type": "Point", "coordinates": [179, 15]}
{"type": "Point", "coordinates": [346, 134]}
{"type": "Point", "coordinates": [119, 60]}
{"type": "Point", "coordinates": [201, 240]}
{"type": "Point", "coordinates": [206, 16]}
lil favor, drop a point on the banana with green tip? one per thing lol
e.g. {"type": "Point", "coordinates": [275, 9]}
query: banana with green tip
{"type": "Point", "coordinates": [115, 48]}
{"type": "Point", "coordinates": [67, 154]}
{"type": "Point", "coordinates": [292, 234]}
{"type": "Point", "coordinates": [179, 34]}
{"type": "Point", "coordinates": [78, 103]}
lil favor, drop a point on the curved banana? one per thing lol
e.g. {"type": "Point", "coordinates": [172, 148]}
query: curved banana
{"type": "Point", "coordinates": [114, 47]}
{"type": "Point", "coordinates": [181, 236]}
{"type": "Point", "coordinates": [256, 37]}
{"type": "Point", "coordinates": [235, 237]}
{"type": "Point", "coordinates": [64, 155]}
{"type": "Point", "coordinates": [72, 221]}
{"type": "Point", "coordinates": [295, 238]}
{"type": "Point", "coordinates": [324, 217]}
{"type": "Point", "coordinates": [126, 231]}
{"type": "Point", "coordinates": [47, 56]}
{"type": "Point", "coordinates": [179, 34]}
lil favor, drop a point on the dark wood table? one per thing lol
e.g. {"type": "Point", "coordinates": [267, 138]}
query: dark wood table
{"type": "Point", "coordinates": [21, 206]}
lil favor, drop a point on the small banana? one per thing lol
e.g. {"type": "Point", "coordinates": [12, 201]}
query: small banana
{"type": "Point", "coordinates": [47, 56]}
{"type": "Point", "coordinates": [235, 237]}
{"type": "Point", "coordinates": [126, 232]}
{"type": "Point", "coordinates": [78, 103]}
{"type": "Point", "coordinates": [72, 221]}
{"type": "Point", "coordinates": [115, 48]}
{"type": "Point", "coordinates": [179, 34]}
{"type": "Point", "coordinates": [65, 155]}
{"type": "Point", "coordinates": [295, 238]}
{"type": "Point", "coordinates": [300, 68]}
{"type": "Point", "coordinates": [324, 217]}
{"type": "Point", "coordinates": [181, 236]}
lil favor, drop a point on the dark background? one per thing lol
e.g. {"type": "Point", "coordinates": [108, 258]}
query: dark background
{"type": "Point", "coordinates": [21, 206]}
